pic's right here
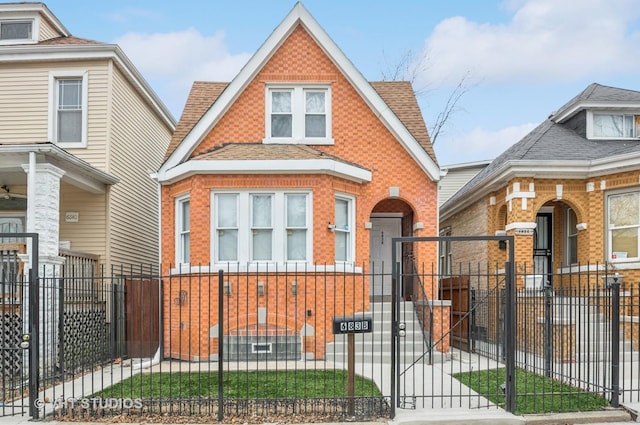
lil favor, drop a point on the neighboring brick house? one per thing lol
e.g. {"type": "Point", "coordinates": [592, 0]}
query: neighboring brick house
{"type": "Point", "coordinates": [569, 192]}
{"type": "Point", "coordinates": [298, 164]}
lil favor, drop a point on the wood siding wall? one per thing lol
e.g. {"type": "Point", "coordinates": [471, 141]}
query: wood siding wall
{"type": "Point", "coordinates": [89, 233]}
{"type": "Point", "coordinates": [47, 31]}
{"type": "Point", "coordinates": [138, 141]}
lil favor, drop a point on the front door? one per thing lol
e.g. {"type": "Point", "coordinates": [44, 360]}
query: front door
{"type": "Point", "coordinates": [542, 243]}
{"type": "Point", "coordinates": [383, 229]}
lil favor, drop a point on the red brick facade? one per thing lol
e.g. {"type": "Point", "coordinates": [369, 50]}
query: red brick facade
{"type": "Point", "coordinates": [360, 138]}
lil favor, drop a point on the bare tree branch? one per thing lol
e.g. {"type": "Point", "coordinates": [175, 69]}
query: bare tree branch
{"type": "Point", "coordinates": [450, 108]}
{"type": "Point", "coordinates": [408, 68]}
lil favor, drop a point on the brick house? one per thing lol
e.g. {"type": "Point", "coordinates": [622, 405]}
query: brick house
{"type": "Point", "coordinates": [569, 192]}
{"type": "Point", "coordinates": [299, 165]}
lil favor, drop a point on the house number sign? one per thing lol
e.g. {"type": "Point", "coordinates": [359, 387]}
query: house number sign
{"type": "Point", "coordinates": [352, 325]}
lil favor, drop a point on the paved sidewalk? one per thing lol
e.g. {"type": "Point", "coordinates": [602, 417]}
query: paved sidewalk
{"type": "Point", "coordinates": [443, 417]}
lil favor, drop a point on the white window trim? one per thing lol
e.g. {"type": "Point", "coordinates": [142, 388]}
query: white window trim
{"type": "Point", "coordinates": [35, 28]}
{"type": "Point", "coordinates": [298, 113]}
{"type": "Point", "coordinates": [609, 243]}
{"type": "Point", "coordinates": [279, 217]}
{"type": "Point", "coordinates": [590, 115]}
{"type": "Point", "coordinates": [351, 249]}
{"type": "Point", "coordinates": [179, 201]}
{"type": "Point", "coordinates": [53, 113]}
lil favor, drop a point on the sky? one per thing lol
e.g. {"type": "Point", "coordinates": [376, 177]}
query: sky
{"type": "Point", "coordinates": [516, 61]}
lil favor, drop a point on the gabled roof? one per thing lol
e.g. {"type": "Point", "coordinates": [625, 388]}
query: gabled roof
{"type": "Point", "coordinates": [398, 95]}
{"type": "Point", "coordinates": [300, 16]}
{"type": "Point", "coordinates": [597, 95]}
{"type": "Point", "coordinates": [401, 98]}
{"type": "Point", "coordinates": [552, 150]}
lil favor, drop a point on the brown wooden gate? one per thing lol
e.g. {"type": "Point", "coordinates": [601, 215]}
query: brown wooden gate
{"type": "Point", "coordinates": [457, 290]}
{"type": "Point", "coordinates": [142, 306]}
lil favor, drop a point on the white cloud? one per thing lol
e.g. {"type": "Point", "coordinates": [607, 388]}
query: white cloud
{"type": "Point", "coordinates": [544, 40]}
{"type": "Point", "coordinates": [171, 62]}
{"type": "Point", "coordinates": [479, 144]}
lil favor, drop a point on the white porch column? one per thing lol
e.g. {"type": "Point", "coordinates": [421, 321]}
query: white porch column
{"type": "Point", "coordinates": [43, 218]}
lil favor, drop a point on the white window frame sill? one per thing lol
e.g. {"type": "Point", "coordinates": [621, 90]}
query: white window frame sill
{"type": "Point", "coordinates": [307, 141]}
{"type": "Point", "coordinates": [291, 267]}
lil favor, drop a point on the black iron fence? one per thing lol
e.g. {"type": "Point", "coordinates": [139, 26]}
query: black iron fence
{"type": "Point", "coordinates": [268, 342]}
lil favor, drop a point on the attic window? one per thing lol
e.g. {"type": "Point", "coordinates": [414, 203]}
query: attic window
{"type": "Point", "coordinates": [298, 114]}
{"type": "Point", "coordinates": [15, 30]}
{"type": "Point", "coordinates": [616, 126]}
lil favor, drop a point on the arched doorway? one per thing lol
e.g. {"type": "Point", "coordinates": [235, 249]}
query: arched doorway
{"type": "Point", "coordinates": [390, 218]}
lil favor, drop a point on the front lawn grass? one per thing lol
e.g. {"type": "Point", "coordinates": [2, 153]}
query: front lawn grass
{"type": "Point", "coordinates": [534, 393]}
{"type": "Point", "coordinates": [241, 385]}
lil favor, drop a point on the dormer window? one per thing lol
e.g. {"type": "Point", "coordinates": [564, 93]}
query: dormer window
{"type": "Point", "coordinates": [16, 30]}
{"type": "Point", "coordinates": [615, 126]}
{"type": "Point", "coordinates": [299, 114]}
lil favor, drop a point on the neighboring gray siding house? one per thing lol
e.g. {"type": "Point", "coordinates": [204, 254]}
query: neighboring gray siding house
{"type": "Point", "coordinates": [454, 176]}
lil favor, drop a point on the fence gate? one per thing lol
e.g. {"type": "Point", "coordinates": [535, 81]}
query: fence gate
{"type": "Point", "coordinates": [18, 324]}
{"type": "Point", "coordinates": [471, 309]}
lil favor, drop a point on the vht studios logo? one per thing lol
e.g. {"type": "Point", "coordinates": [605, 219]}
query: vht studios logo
{"type": "Point", "coordinates": [91, 403]}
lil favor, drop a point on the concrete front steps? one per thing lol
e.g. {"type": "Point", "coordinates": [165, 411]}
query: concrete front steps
{"type": "Point", "coordinates": [375, 347]}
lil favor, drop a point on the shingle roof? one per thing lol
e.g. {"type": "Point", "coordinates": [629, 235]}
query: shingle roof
{"type": "Point", "coordinates": [398, 95]}
{"type": "Point", "coordinates": [551, 142]}
{"type": "Point", "coordinates": [203, 94]}
{"type": "Point", "coordinates": [260, 151]}
{"type": "Point", "coordinates": [401, 98]}
{"type": "Point", "coordinates": [598, 93]}
{"type": "Point", "coordinates": [58, 41]}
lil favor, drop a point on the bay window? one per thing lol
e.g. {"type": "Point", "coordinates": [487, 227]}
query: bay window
{"type": "Point", "coordinates": [344, 229]}
{"type": "Point", "coordinates": [183, 231]}
{"type": "Point", "coordinates": [623, 210]}
{"type": "Point", "coordinates": [261, 226]}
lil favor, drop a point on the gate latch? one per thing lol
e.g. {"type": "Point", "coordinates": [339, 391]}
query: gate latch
{"type": "Point", "coordinates": [25, 341]}
{"type": "Point", "coordinates": [402, 329]}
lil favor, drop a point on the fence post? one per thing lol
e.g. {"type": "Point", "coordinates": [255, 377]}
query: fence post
{"type": "Point", "coordinates": [220, 344]}
{"type": "Point", "coordinates": [615, 342]}
{"type": "Point", "coordinates": [61, 328]}
{"type": "Point", "coordinates": [34, 327]}
{"type": "Point", "coordinates": [473, 325]}
{"type": "Point", "coordinates": [548, 327]}
{"type": "Point", "coordinates": [510, 333]}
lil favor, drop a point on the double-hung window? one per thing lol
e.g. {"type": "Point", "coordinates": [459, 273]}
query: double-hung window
{"type": "Point", "coordinates": [444, 249]}
{"type": "Point", "coordinates": [344, 229]}
{"type": "Point", "coordinates": [571, 243]}
{"type": "Point", "coordinates": [298, 114]}
{"type": "Point", "coordinates": [68, 118]}
{"type": "Point", "coordinates": [615, 126]}
{"type": "Point", "coordinates": [623, 225]}
{"type": "Point", "coordinates": [183, 230]}
{"type": "Point", "coordinates": [261, 226]}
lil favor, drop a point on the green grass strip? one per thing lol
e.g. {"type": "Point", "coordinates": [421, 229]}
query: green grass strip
{"type": "Point", "coordinates": [242, 385]}
{"type": "Point", "coordinates": [534, 393]}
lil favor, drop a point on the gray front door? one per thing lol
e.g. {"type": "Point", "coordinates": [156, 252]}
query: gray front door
{"type": "Point", "coordinates": [383, 229]}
